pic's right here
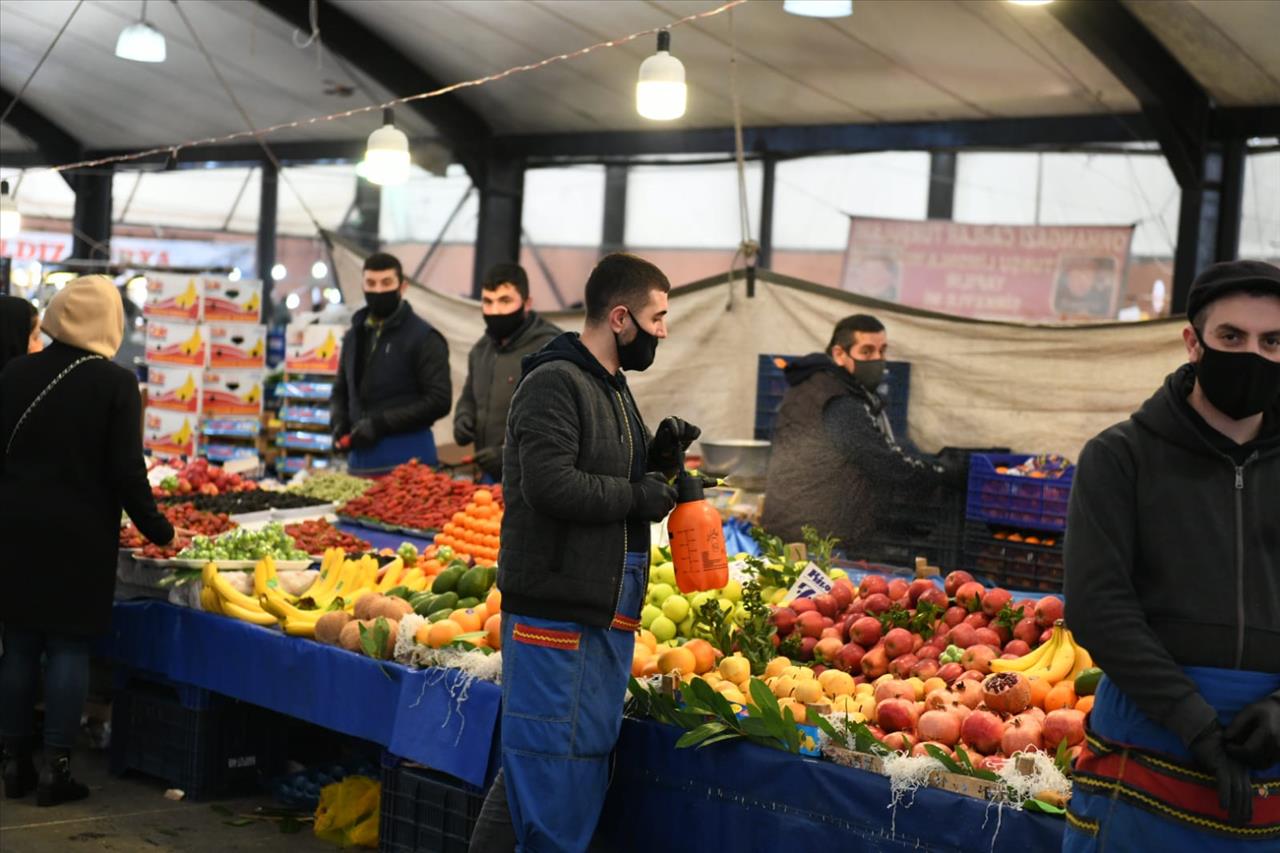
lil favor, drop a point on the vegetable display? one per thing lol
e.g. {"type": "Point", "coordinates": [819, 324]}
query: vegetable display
{"type": "Point", "coordinates": [239, 503]}
{"type": "Point", "coordinates": [331, 486]}
{"type": "Point", "coordinates": [198, 477]}
{"type": "Point", "coordinates": [318, 536]}
{"type": "Point", "coordinates": [414, 497]}
{"type": "Point", "coordinates": [241, 544]}
{"type": "Point", "coordinates": [179, 515]}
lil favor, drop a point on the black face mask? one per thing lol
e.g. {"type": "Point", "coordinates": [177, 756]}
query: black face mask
{"type": "Point", "coordinates": [382, 304]}
{"type": "Point", "coordinates": [1239, 384]}
{"type": "Point", "coordinates": [501, 327]}
{"type": "Point", "coordinates": [638, 354]}
{"type": "Point", "coordinates": [869, 374]}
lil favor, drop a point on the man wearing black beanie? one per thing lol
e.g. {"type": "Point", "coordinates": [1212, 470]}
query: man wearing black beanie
{"type": "Point", "coordinates": [1173, 580]}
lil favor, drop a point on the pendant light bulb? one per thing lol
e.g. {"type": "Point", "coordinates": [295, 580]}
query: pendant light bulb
{"type": "Point", "coordinates": [10, 218]}
{"type": "Point", "coordinates": [141, 42]}
{"type": "Point", "coordinates": [661, 93]}
{"type": "Point", "coordinates": [818, 8]}
{"type": "Point", "coordinates": [386, 157]}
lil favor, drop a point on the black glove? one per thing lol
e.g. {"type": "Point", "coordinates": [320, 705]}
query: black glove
{"type": "Point", "coordinates": [669, 443]}
{"type": "Point", "coordinates": [955, 471]}
{"type": "Point", "coordinates": [1254, 735]}
{"type": "Point", "coordinates": [652, 499]}
{"type": "Point", "coordinates": [1235, 792]}
{"type": "Point", "coordinates": [464, 429]}
{"type": "Point", "coordinates": [488, 458]}
{"type": "Point", "coordinates": [364, 433]}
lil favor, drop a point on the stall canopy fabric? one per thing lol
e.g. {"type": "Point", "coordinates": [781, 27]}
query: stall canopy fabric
{"type": "Point", "coordinates": [973, 383]}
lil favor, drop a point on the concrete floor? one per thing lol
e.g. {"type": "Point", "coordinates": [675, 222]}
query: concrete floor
{"type": "Point", "coordinates": [130, 814]}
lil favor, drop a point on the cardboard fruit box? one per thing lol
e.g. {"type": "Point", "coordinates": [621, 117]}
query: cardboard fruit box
{"type": "Point", "coordinates": [167, 433]}
{"type": "Point", "coordinates": [173, 296]}
{"type": "Point", "coordinates": [314, 348]}
{"type": "Point", "coordinates": [177, 389]}
{"type": "Point", "coordinates": [233, 392]}
{"type": "Point", "coordinates": [227, 301]}
{"type": "Point", "coordinates": [237, 345]}
{"type": "Point", "coordinates": [169, 342]}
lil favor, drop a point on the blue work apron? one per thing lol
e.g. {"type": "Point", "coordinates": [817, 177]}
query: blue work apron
{"type": "Point", "coordinates": [393, 450]}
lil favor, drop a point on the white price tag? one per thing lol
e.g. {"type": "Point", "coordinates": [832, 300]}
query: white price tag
{"type": "Point", "coordinates": [812, 581]}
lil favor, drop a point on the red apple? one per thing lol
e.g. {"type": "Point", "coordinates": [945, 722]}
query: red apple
{"type": "Point", "coordinates": [955, 580]}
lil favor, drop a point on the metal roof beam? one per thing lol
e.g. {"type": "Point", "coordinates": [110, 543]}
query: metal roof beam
{"type": "Point", "coordinates": [52, 141]}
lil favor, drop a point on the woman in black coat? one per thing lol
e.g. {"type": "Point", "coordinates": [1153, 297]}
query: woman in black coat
{"type": "Point", "coordinates": [70, 460]}
{"type": "Point", "coordinates": [19, 329]}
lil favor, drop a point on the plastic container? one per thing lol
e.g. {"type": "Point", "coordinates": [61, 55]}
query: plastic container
{"type": "Point", "coordinates": [423, 809]}
{"type": "Point", "coordinates": [1014, 558]}
{"type": "Point", "coordinates": [1019, 501]}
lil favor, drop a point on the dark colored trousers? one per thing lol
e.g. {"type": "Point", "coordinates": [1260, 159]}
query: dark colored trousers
{"type": "Point", "coordinates": [66, 684]}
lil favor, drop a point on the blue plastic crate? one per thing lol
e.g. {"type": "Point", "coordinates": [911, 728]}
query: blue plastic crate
{"type": "Point", "coordinates": [1025, 502]}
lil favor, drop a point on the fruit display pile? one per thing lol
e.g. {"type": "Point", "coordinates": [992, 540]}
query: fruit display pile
{"type": "Point", "coordinates": [474, 530]}
{"type": "Point", "coordinates": [179, 515]}
{"type": "Point", "coordinates": [318, 536]}
{"type": "Point", "coordinates": [240, 503]}
{"type": "Point", "coordinates": [242, 544]}
{"type": "Point", "coordinates": [415, 498]}
{"type": "Point", "coordinates": [198, 477]}
{"type": "Point", "coordinates": [331, 486]}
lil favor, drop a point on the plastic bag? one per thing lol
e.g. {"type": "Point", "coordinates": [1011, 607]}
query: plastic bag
{"type": "Point", "coordinates": [348, 812]}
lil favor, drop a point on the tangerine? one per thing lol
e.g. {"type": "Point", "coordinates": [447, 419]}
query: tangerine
{"type": "Point", "coordinates": [679, 659]}
{"type": "Point", "coordinates": [645, 637]}
{"type": "Point", "coordinates": [442, 633]}
{"type": "Point", "coordinates": [650, 667]}
{"type": "Point", "coordinates": [704, 655]}
{"type": "Point", "coordinates": [1061, 695]}
{"type": "Point", "coordinates": [469, 620]}
{"type": "Point", "coordinates": [493, 602]}
{"type": "Point", "coordinates": [640, 656]}
{"type": "Point", "coordinates": [1039, 689]}
{"type": "Point", "coordinates": [1085, 704]}
{"type": "Point", "coordinates": [484, 497]}
{"type": "Point", "coordinates": [493, 627]}
{"type": "Point", "coordinates": [423, 634]}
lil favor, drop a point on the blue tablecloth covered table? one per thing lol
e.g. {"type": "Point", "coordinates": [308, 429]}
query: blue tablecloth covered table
{"type": "Point", "coordinates": [747, 797]}
{"type": "Point", "coordinates": [380, 539]}
{"type": "Point", "coordinates": [413, 713]}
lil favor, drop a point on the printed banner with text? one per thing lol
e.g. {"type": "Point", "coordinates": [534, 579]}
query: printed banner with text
{"type": "Point", "coordinates": [1014, 272]}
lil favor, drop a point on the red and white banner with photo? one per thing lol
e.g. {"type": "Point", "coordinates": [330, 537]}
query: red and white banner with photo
{"type": "Point", "coordinates": [1010, 272]}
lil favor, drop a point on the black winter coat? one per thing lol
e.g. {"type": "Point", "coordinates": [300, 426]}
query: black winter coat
{"type": "Point", "coordinates": [403, 385]}
{"type": "Point", "coordinates": [76, 462]}
{"type": "Point", "coordinates": [1173, 555]}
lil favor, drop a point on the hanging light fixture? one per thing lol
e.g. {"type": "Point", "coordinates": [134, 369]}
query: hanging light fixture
{"type": "Point", "coordinates": [141, 42]}
{"type": "Point", "coordinates": [661, 93]}
{"type": "Point", "coordinates": [818, 8]}
{"type": "Point", "coordinates": [386, 157]}
{"type": "Point", "coordinates": [1031, 2]}
{"type": "Point", "coordinates": [10, 218]}
{"type": "Point", "coordinates": [319, 269]}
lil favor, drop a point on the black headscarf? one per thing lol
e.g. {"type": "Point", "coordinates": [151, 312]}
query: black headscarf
{"type": "Point", "coordinates": [15, 327]}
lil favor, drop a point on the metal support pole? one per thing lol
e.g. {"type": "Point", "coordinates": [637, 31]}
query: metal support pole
{"type": "Point", "coordinates": [614, 232]}
{"type": "Point", "coordinates": [764, 258]}
{"type": "Point", "coordinates": [1231, 205]}
{"type": "Point", "coordinates": [942, 185]}
{"type": "Point", "coordinates": [501, 207]}
{"type": "Point", "coordinates": [268, 200]}
{"type": "Point", "coordinates": [91, 220]}
{"type": "Point", "coordinates": [1199, 213]}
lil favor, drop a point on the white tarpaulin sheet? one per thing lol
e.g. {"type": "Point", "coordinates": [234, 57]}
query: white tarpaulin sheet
{"type": "Point", "coordinates": [973, 383]}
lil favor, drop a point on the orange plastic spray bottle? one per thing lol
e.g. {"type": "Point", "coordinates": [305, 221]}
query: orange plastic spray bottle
{"type": "Point", "coordinates": [697, 537]}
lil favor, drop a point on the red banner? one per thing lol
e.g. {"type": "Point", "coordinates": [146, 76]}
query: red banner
{"type": "Point", "coordinates": [1018, 272]}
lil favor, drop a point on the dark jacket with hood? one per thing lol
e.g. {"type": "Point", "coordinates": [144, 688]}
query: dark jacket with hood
{"type": "Point", "coordinates": [1173, 554]}
{"type": "Point", "coordinates": [834, 462]}
{"type": "Point", "coordinates": [16, 321]}
{"type": "Point", "coordinates": [493, 370]}
{"type": "Point", "coordinates": [575, 444]}
{"type": "Point", "coordinates": [395, 373]}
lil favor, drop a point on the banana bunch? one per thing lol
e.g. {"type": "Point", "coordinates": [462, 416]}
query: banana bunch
{"type": "Point", "coordinates": [219, 596]}
{"type": "Point", "coordinates": [1060, 659]}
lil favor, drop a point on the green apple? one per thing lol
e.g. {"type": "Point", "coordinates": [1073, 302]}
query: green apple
{"type": "Point", "coordinates": [664, 573]}
{"type": "Point", "coordinates": [663, 629]}
{"type": "Point", "coordinates": [732, 591]}
{"type": "Point", "coordinates": [676, 608]}
{"type": "Point", "coordinates": [648, 614]}
{"type": "Point", "coordinates": [697, 600]}
{"type": "Point", "coordinates": [686, 627]}
{"type": "Point", "coordinates": [740, 614]}
{"type": "Point", "coordinates": [655, 555]}
{"type": "Point", "coordinates": [659, 593]}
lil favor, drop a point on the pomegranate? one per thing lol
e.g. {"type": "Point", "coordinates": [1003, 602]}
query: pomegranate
{"type": "Point", "coordinates": [939, 700]}
{"type": "Point", "coordinates": [1007, 692]}
{"type": "Point", "coordinates": [865, 631]}
{"type": "Point", "coordinates": [784, 618]}
{"type": "Point", "coordinates": [979, 657]}
{"type": "Point", "coordinates": [897, 715]}
{"type": "Point", "coordinates": [968, 693]}
{"type": "Point", "coordinates": [955, 580]}
{"type": "Point", "coordinates": [827, 648]}
{"type": "Point", "coordinates": [844, 592]}
{"type": "Point", "coordinates": [828, 622]}
{"type": "Point", "coordinates": [949, 672]}
{"type": "Point", "coordinates": [1034, 713]}
{"type": "Point", "coordinates": [977, 620]}
{"type": "Point", "coordinates": [933, 596]}
{"type": "Point", "coordinates": [876, 731]}
{"type": "Point", "coordinates": [898, 589]}
{"type": "Point", "coordinates": [925, 668]}
{"type": "Point", "coordinates": [827, 605]}
{"type": "Point", "coordinates": [990, 637]}
{"type": "Point", "coordinates": [875, 663]}
{"type": "Point", "coordinates": [1021, 735]}
{"type": "Point", "coordinates": [1049, 610]}
{"type": "Point", "coordinates": [1063, 724]}
{"type": "Point", "coordinates": [963, 635]}
{"type": "Point", "coordinates": [898, 642]}
{"type": "Point", "coordinates": [1045, 637]}
{"type": "Point", "coordinates": [954, 615]}
{"type": "Point", "coordinates": [877, 602]}
{"type": "Point", "coordinates": [806, 647]}
{"type": "Point", "coordinates": [995, 600]}
{"type": "Point", "coordinates": [969, 595]}
{"type": "Point", "coordinates": [918, 587]}
{"type": "Point", "coordinates": [810, 624]}
{"type": "Point", "coordinates": [849, 658]}
{"type": "Point", "coordinates": [1027, 631]}
{"type": "Point", "coordinates": [872, 584]}
{"type": "Point", "coordinates": [902, 665]}
{"type": "Point", "coordinates": [1017, 648]}
{"type": "Point", "coordinates": [982, 731]}
{"type": "Point", "coordinates": [894, 689]}
{"type": "Point", "coordinates": [1027, 606]}
{"type": "Point", "coordinates": [898, 741]}
{"type": "Point", "coordinates": [920, 750]}
{"type": "Point", "coordinates": [803, 605]}
{"type": "Point", "coordinates": [939, 726]}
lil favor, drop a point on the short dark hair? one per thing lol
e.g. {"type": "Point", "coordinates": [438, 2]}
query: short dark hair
{"type": "Point", "coordinates": [1201, 317]}
{"type": "Point", "coordinates": [380, 261]}
{"type": "Point", "coordinates": [846, 331]}
{"type": "Point", "coordinates": [512, 274]}
{"type": "Point", "coordinates": [622, 279]}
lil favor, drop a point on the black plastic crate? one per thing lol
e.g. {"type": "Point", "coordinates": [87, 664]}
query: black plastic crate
{"type": "Point", "coordinates": [1017, 558]}
{"type": "Point", "coordinates": [226, 747]}
{"type": "Point", "coordinates": [423, 809]}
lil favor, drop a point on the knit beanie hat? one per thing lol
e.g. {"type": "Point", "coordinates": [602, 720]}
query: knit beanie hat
{"type": "Point", "coordinates": [1227, 277]}
{"type": "Point", "coordinates": [87, 314]}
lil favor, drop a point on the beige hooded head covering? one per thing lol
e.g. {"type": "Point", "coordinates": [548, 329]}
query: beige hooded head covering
{"type": "Point", "coordinates": [87, 314]}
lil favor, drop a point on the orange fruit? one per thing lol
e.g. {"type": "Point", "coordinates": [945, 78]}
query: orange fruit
{"type": "Point", "coordinates": [1061, 695]}
{"type": "Point", "coordinates": [640, 656]}
{"type": "Point", "coordinates": [1085, 703]}
{"type": "Point", "coordinates": [469, 620]}
{"type": "Point", "coordinates": [423, 634]}
{"type": "Point", "coordinates": [679, 659]}
{"type": "Point", "coordinates": [483, 497]}
{"type": "Point", "coordinates": [493, 626]}
{"type": "Point", "coordinates": [645, 637]}
{"type": "Point", "coordinates": [1039, 689]}
{"type": "Point", "coordinates": [650, 667]}
{"type": "Point", "coordinates": [493, 602]}
{"type": "Point", "coordinates": [704, 655]}
{"type": "Point", "coordinates": [482, 612]}
{"type": "Point", "coordinates": [442, 633]}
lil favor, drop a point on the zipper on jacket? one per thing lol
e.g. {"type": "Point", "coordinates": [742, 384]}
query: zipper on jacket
{"type": "Point", "coordinates": [631, 452]}
{"type": "Point", "coordinates": [1240, 559]}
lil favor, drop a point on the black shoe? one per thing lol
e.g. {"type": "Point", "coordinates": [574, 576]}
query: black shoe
{"type": "Point", "coordinates": [56, 785]}
{"type": "Point", "coordinates": [19, 776]}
